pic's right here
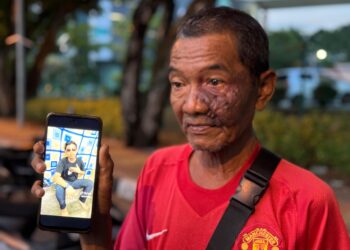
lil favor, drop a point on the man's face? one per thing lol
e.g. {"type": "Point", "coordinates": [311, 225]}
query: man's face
{"type": "Point", "coordinates": [212, 93]}
{"type": "Point", "coordinates": [71, 151]}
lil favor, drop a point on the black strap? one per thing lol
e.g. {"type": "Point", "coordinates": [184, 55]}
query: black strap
{"type": "Point", "coordinates": [242, 204]}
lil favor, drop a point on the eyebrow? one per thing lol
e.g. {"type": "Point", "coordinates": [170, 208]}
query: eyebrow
{"type": "Point", "coordinates": [172, 69]}
{"type": "Point", "coordinates": [216, 67]}
{"type": "Point", "coordinates": [210, 67]}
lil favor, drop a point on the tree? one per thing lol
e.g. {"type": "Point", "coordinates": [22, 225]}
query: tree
{"type": "Point", "coordinates": [142, 124]}
{"type": "Point", "coordinates": [130, 95]}
{"type": "Point", "coordinates": [346, 98]}
{"type": "Point", "coordinates": [287, 49]}
{"type": "Point", "coordinates": [324, 94]}
{"type": "Point", "coordinates": [43, 21]}
{"type": "Point", "coordinates": [280, 91]}
{"type": "Point", "coordinates": [297, 102]}
{"type": "Point", "coordinates": [6, 60]}
{"type": "Point", "coordinates": [70, 70]}
{"type": "Point", "coordinates": [335, 42]}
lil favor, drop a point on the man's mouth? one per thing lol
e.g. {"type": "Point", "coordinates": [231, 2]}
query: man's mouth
{"type": "Point", "coordinates": [199, 125]}
{"type": "Point", "coordinates": [197, 128]}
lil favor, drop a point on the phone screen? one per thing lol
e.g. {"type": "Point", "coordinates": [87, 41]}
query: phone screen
{"type": "Point", "coordinates": [71, 155]}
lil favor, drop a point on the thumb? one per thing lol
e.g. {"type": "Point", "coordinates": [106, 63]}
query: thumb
{"type": "Point", "coordinates": [105, 180]}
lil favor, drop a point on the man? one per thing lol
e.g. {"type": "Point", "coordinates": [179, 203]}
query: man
{"type": "Point", "coordinates": [68, 175]}
{"type": "Point", "coordinates": [219, 75]}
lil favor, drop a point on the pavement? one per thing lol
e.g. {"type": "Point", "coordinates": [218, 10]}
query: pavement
{"type": "Point", "coordinates": [129, 162]}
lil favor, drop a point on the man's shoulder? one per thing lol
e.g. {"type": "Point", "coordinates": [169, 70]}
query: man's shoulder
{"type": "Point", "coordinates": [63, 161]}
{"type": "Point", "coordinates": [167, 157]}
{"type": "Point", "coordinates": [79, 160]}
{"type": "Point", "coordinates": [164, 162]}
{"type": "Point", "coordinates": [300, 181]}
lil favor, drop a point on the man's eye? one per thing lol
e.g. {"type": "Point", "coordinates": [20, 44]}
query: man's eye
{"type": "Point", "coordinates": [215, 82]}
{"type": "Point", "coordinates": [176, 84]}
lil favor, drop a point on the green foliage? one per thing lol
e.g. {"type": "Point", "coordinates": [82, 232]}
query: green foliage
{"type": "Point", "coordinates": [312, 139]}
{"type": "Point", "coordinates": [108, 109]}
{"type": "Point", "coordinates": [324, 94]}
{"type": "Point", "coordinates": [287, 49]}
{"type": "Point", "coordinates": [290, 49]}
{"type": "Point", "coordinates": [70, 71]}
{"type": "Point", "coordinates": [5, 7]}
{"type": "Point", "coordinates": [297, 102]}
{"type": "Point", "coordinates": [278, 96]}
{"type": "Point", "coordinates": [346, 98]}
{"type": "Point", "coordinates": [84, 70]}
{"type": "Point", "coordinates": [336, 42]}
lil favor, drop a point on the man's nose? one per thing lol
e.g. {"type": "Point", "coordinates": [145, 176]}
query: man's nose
{"type": "Point", "coordinates": [196, 101]}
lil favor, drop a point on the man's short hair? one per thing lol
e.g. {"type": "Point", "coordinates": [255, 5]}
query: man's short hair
{"type": "Point", "coordinates": [252, 41]}
{"type": "Point", "coordinates": [69, 143]}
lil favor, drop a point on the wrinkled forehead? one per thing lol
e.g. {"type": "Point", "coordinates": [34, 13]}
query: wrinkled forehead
{"type": "Point", "coordinates": [220, 44]}
{"type": "Point", "coordinates": [205, 41]}
{"type": "Point", "coordinates": [193, 52]}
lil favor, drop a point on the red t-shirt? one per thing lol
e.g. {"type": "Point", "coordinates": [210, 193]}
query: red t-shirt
{"type": "Point", "coordinates": [298, 210]}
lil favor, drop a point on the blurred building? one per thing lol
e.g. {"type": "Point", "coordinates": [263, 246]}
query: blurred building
{"type": "Point", "coordinates": [303, 81]}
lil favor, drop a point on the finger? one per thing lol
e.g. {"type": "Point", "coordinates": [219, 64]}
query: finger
{"type": "Point", "coordinates": [38, 164]}
{"type": "Point", "coordinates": [105, 180]}
{"type": "Point", "coordinates": [37, 190]}
{"type": "Point", "coordinates": [105, 161]}
{"type": "Point", "coordinates": [39, 147]}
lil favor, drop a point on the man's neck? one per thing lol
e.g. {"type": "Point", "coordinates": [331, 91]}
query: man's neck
{"type": "Point", "coordinates": [72, 160]}
{"type": "Point", "coordinates": [214, 169]}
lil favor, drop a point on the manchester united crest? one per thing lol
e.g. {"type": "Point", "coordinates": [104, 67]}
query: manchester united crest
{"type": "Point", "coordinates": [259, 239]}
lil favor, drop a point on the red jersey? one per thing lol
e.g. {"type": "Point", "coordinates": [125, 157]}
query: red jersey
{"type": "Point", "coordinates": [298, 210]}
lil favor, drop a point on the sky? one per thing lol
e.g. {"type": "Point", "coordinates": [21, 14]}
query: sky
{"type": "Point", "coordinates": [309, 19]}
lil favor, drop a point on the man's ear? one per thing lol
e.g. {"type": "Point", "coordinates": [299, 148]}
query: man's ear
{"type": "Point", "coordinates": [267, 82]}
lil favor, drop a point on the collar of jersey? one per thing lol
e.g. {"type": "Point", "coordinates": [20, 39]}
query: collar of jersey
{"type": "Point", "coordinates": [204, 200]}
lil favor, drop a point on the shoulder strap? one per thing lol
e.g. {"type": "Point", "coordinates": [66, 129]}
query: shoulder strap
{"type": "Point", "coordinates": [242, 204]}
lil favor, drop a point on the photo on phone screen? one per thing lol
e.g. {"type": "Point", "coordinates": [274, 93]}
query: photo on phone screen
{"type": "Point", "coordinates": [71, 159]}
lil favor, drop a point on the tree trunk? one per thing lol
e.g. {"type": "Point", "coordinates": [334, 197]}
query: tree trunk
{"type": "Point", "coordinates": [130, 97]}
{"type": "Point", "coordinates": [157, 95]}
{"type": "Point", "coordinates": [49, 42]}
{"type": "Point", "coordinates": [48, 46]}
{"type": "Point", "coordinates": [7, 54]}
{"type": "Point", "coordinates": [153, 113]}
{"type": "Point", "coordinates": [7, 95]}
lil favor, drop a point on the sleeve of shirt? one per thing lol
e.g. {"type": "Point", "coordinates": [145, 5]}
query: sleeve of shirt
{"type": "Point", "coordinates": [81, 164]}
{"type": "Point", "coordinates": [132, 235]}
{"type": "Point", "coordinates": [60, 166]}
{"type": "Point", "coordinates": [321, 223]}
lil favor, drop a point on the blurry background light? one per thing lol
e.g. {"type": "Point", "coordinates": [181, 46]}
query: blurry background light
{"type": "Point", "coordinates": [117, 17]}
{"type": "Point", "coordinates": [321, 54]}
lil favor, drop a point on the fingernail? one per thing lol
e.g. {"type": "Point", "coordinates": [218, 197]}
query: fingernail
{"type": "Point", "coordinates": [41, 167]}
{"type": "Point", "coordinates": [38, 192]}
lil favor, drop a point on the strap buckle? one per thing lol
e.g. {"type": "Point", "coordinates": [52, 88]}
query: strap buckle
{"type": "Point", "coordinates": [250, 189]}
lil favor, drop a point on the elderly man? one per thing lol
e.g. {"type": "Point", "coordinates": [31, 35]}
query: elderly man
{"type": "Point", "coordinates": [219, 75]}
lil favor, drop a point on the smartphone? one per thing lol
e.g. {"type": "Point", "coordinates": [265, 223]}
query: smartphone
{"type": "Point", "coordinates": [72, 143]}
